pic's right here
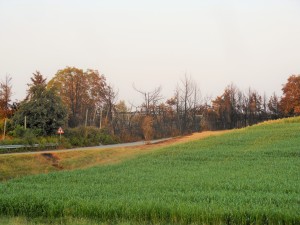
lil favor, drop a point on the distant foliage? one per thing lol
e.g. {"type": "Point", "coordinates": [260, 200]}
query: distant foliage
{"type": "Point", "coordinates": [77, 98]}
{"type": "Point", "coordinates": [43, 109]}
{"type": "Point", "coordinates": [147, 127]}
{"type": "Point", "coordinates": [82, 93]}
{"type": "Point", "coordinates": [290, 101]}
{"type": "Point", "coordinates": [274, 107]}
{"type": "Point", "coordinates": [236, 109]}
{"type": "Point", "coordinates": [88, 136]}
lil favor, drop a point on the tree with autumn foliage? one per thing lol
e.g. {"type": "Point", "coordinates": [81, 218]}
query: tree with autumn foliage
{"type": "Point", "coordinates": [235, 109]}
{"type": "Point", "coordinates": [227, 108]}
{"type": "Point", "coordinates": [83, 92]}
{"type": "Point", "coordinates": [147, 127]}
{"type": "Point", "coordinates": [290, 101]}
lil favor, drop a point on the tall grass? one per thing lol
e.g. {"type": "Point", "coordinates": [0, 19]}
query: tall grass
{"type": "Point", "coordinates": [248, 176]}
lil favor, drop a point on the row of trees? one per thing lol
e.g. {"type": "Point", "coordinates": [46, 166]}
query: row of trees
{"type": "Point", "coordinates": [236, 109]}
{"type": "Point", "coordinates": [74, 97]}
{"type": "Point", "coordinates": [187, 112]}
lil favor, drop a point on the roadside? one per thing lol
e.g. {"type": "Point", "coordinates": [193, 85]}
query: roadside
{"type": "Point", "coordinates": [22, 164]}
{"type": "Point", "coordinates": [121, 145]}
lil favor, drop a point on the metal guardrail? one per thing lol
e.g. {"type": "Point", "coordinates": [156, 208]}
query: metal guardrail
{"type": "Point", "coordinates": [11, 146]}
{"type": "Point", "coordinates": [7, 147]}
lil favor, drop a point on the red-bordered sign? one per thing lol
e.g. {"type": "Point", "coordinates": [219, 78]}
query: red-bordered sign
{"type": "Point", "coordinates": [60, 130]}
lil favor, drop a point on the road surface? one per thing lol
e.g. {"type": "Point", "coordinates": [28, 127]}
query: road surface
{"type": "Point", "coordinates": [131, 144]}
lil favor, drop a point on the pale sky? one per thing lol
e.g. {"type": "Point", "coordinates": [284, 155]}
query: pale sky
{"type": "Point", "coordinates": [150, 43]}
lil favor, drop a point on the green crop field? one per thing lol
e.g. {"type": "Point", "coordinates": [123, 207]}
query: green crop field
{"type": "Point", "coordinates": [247, 176]}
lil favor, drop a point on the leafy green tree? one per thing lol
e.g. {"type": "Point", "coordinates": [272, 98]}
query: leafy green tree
{"type": "Point", "coordinates": [43, 109]}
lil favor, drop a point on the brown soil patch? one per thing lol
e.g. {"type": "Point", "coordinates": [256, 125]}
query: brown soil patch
{"type": "Point", "coordinates": [53, 158]}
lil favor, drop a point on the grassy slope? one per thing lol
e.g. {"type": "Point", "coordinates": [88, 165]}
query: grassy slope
{"type": "Point", "coordinates": [243, 177]}
{"type": "Point", "coordinates": [18, 165]}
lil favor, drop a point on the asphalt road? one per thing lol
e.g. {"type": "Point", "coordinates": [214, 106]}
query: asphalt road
{"type": "Point", "coordinates": [131, 144]}
{"type": "Point", "coordinates": [138, 143]}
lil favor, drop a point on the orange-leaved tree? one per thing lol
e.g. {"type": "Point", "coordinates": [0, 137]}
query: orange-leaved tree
{"type": "Point", "coordinates": [147, 127]}
{"type": "Point", "coordinates": [290, 101]}
{"type": "Point", "coordinates": [81, 91]}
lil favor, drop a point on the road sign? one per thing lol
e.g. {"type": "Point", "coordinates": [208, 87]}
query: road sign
{"type": "Point", "coordinates": [60, 130]}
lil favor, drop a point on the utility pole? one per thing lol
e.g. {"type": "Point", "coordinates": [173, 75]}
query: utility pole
{"type": "Point", "coordinates": [25, 122]}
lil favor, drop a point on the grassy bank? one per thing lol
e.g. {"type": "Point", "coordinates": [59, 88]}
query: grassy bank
{"type": "Point", "coordinates": [19, 165]}
{"type": "Point", "coordinates": [248, 176]}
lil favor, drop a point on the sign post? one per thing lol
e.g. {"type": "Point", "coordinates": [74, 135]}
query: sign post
{"type": "Point", "coordinates": [60, 131]}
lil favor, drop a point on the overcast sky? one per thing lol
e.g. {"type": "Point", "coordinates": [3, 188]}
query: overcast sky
{"type": "Point", "coordinates": [150, 43]}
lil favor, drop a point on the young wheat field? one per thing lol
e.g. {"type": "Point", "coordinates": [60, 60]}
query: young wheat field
{"type": "Point", "coordinates": [247, 176]}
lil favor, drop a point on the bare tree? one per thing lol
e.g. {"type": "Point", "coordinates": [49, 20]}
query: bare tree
{"type": "Point", "coordinates": [150, 112]}
{"type": "Point", "coordinates": [186, 91]}
{"type": "Point", "coordinates": [274, 106]}
{"type": "Point", "coordinates": [151, 99]}
{"type": "Point", "coordinates": [110, 100]}
{"type": "Point", "coordinates": [196, 107]}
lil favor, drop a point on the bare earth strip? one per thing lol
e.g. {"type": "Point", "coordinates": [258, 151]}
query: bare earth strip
{"type": "Point", "coordinates": [17, 165]}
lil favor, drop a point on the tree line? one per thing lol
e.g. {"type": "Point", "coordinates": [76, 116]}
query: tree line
{"type": "Point", "coordinates": [74, 98]}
